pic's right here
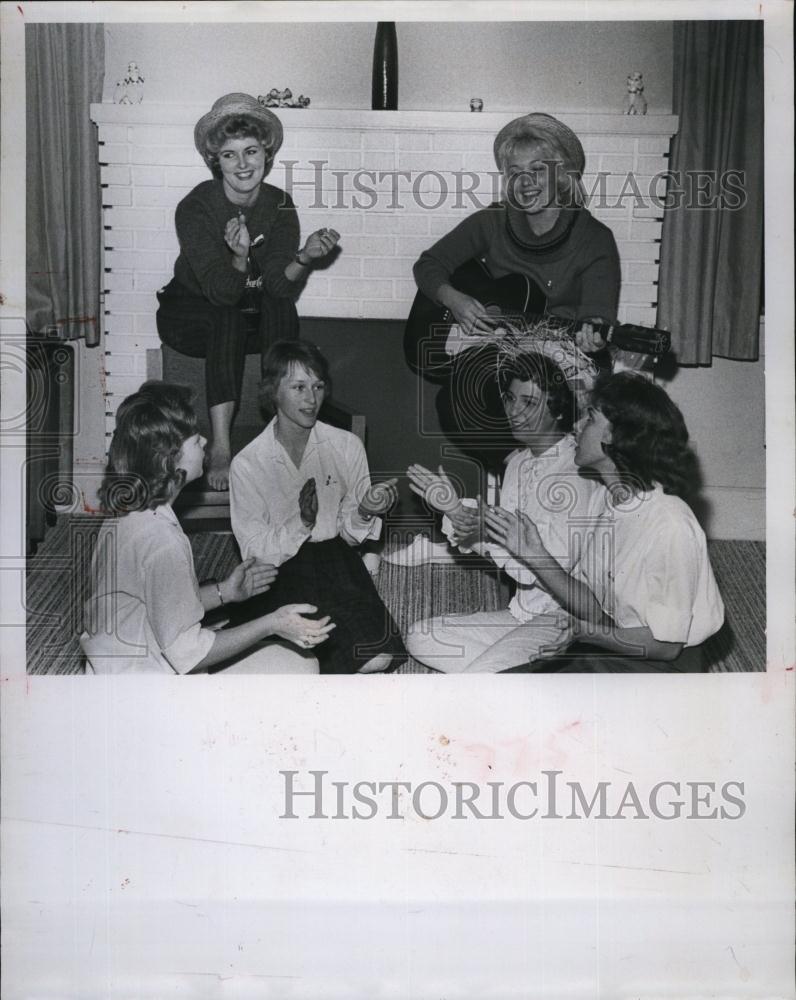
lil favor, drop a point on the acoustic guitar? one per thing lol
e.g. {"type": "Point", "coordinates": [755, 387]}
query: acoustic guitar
{"type": "Point", "coordinates": [433, 339]}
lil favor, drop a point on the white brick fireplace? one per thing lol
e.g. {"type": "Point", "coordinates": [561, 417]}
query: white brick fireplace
{"type": "Point", "coordinates": [390, 182]}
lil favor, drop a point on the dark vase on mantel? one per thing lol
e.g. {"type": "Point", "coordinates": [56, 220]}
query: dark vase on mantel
{"type": "Point", "coordinates": [384, 96]}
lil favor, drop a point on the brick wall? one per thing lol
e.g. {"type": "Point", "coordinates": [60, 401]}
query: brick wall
{"type": "Point", "coordinates": [389, 182]}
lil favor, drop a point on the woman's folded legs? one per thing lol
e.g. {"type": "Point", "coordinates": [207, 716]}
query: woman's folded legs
{"type": "Point", "coordinates": [221, 335]}
{"type": "Point", "coordinates": [483, 642]}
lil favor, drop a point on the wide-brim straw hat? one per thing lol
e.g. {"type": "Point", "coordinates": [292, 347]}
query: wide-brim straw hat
{"type": "Point", "coordinates": [229, 106]}
{"type": "Point", "coordinates": [548, 129]}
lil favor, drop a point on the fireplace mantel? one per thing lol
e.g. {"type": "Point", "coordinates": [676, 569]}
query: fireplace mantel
{"type": "Point", "coordinates": [583, 124]}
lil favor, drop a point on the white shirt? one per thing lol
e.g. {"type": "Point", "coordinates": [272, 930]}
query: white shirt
{"type": "Point", "coordinates": [646, 562]}
{"type": "Point", "coordinates": [145, 612]}
{"type": "Point", "coordinates": [264, 487]}
{"type": "Point", "coordinates": [549, 489]}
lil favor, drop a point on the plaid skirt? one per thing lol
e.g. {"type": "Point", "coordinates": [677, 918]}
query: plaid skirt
{"type": "Point", "coordinates": [332, 576]}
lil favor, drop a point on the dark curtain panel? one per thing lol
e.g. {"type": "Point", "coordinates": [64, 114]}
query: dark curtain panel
{"type": "Point", "coordinates": [64, 68]}
{"type": "Point", "coordinates": [712, 256]}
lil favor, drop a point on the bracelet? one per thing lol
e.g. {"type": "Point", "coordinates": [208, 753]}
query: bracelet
{"type": "Point", "coordinates": [218, 591]}
{"type": "Point", "coordinates": [298, 260]}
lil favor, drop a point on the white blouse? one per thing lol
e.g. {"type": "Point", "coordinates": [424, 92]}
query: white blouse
{"type": "Point", "coordinates": [144, 614]}
{"type": "Point", "coordinates": [646, 561]}
{"type": "Point", "coordinates": [550, 490]}
{"type": "Point", "coordinates": [265, 485]}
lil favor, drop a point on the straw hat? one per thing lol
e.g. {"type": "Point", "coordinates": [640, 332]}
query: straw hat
{"type": "Point", "coordinates": [554, 341]}
{"type": "Point", "coordinates": [551, 130]}
{"type": "Point", "coordinates": [231, 105]}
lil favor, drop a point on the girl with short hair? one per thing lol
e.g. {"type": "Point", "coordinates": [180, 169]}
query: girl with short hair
{"type": "Point", "coordinates": [301, 499]}
{"type": "Point", "coordinates": [146, 608]}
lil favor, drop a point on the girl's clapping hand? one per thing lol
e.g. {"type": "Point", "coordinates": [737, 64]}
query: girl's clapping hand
{"type": "Point", "coordinates": [247, 579]}
{"type": "Point", "coordinates": [320, 243]}
{"type": "Point", "coordinates": [236, 236]}
{"type": "Point", "coordinates": [308, 503]}
{"type": "Point", "coordinates": [379, 498]}
{"type": "Point", "coordinates": [434, 487]}
{"type": "Point", "coordinates": [467, 520]}
{"type": "Point", "coordinates": [515, 532]}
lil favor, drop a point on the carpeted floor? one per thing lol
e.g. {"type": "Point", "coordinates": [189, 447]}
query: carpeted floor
{"type": "Point", "coordinates": [58, 583]}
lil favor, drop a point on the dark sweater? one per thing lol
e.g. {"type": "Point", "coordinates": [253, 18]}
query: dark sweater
{"type": "Point", "coordinates": [204, 266]}
{"type": "Point", "coordinates": [576, 264]}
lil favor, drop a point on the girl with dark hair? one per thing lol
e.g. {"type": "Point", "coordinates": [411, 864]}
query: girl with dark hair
{"type": "Point", "coordinates": [240, 268]}
{"type": "Point", "coordinates": [649, 439]}
{"type": "Point", "coordinates": [301, 500]}
{"type": "Point", "coordinates": [146, 609]}
{"type": "Point", "coordinates": [641, 586]}
{"type": "Point", "coordinates": [542, 480]}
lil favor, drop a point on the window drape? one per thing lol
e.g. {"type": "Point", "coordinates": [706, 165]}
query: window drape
{"type": "Point", "coordinates": [64, 69]}
{"type": "Point", "coordinates": [712, 242]}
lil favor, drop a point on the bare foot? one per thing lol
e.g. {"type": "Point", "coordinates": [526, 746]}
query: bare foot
{"type": "Point", "coordinates": [217, 461]}
{"type": "Point", "coordinates": [379, 662]}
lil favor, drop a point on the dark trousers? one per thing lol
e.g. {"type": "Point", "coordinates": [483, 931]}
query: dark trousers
{"type": "Point", "coordinates": [332, 576]}
{"type": "Point", "coordinates": [584, 658]}
{"type": "Point", "coordinates": [223, 335]}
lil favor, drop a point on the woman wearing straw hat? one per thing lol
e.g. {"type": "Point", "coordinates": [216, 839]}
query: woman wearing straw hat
{"type": "Point", "coordinates": [240, 268]}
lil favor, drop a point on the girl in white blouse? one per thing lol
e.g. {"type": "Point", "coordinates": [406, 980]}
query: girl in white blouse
{"type": "Point", "coordinates": [641, 587]}
{"type": "Point", "coordinates": [301, 500]}
{"type": "Point", "coordinates": [146, 609]}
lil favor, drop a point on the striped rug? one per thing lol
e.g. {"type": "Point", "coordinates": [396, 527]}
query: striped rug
{"type": "Point", "coordinates": [740, 569]}
{"type": "Point", "coordinates": [58, 584]}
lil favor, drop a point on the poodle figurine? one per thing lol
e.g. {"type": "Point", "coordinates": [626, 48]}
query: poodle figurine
{"type": "Point", "coordinates": [636, 101]}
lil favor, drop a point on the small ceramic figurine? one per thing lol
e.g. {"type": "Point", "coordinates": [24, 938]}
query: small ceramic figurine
{"type": "Point", "coordinates": [283, 99]}
{"type": "Point", "coordinates": [130, 90]}
{"type": "Point", "coordinates": [271, 99]}
{"type": "Point", "coordinates": [636, 101]}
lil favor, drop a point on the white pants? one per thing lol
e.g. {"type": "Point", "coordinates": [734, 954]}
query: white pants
{"type": "Point", "coordinates": [485, 642]}
{"type": "Point", "coordinates": [273, 656]}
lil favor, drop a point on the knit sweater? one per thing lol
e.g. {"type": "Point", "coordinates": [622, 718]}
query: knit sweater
{"type": "Point", "coordinates": [576, 264]}
{"type": "Point", "coordinates": [204, 266]}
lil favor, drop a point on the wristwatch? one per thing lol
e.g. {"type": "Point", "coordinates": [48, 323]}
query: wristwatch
{"type": "Point", "coordinates": [298, 260]}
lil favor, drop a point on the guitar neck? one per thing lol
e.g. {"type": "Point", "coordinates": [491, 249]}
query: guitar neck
{"type": "Point", "coordinates": [625, 336]}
